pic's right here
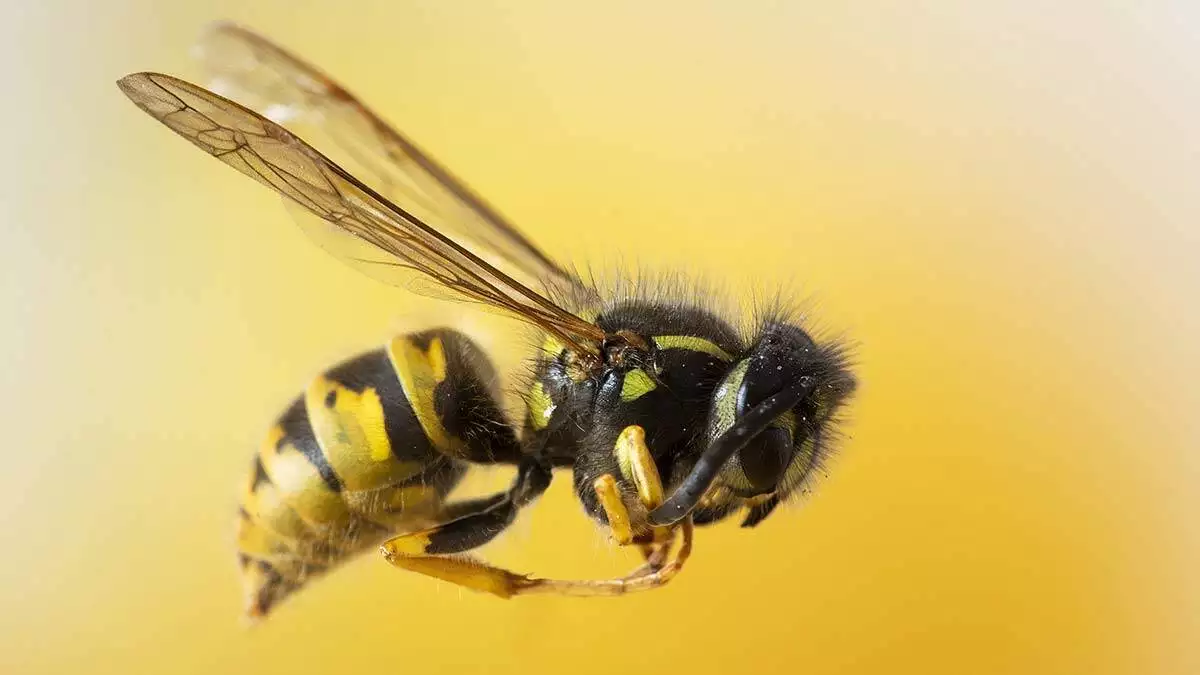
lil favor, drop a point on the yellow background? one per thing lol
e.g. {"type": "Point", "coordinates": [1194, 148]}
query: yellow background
{"type": "Point", "coordinates": [1000, 205]}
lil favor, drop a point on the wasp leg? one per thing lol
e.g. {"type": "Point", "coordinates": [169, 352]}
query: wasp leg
{"type": "Point", "coordinates": [637, 464]}
{"type": "Point", "coordinates": [474, 523]}
{"type": "Point", "coordinates": [618, 516]}
{"type": "Point", "coordinates": [619, 522]}
{"type": "Point", "coordinates": [637, 581]}
{"type": "Point", "coordinates": [431, 552]}
{"type": "Point", "coordinates": [480, 576]}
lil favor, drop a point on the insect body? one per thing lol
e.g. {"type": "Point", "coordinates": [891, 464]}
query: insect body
{"type": "Point", "coordinates": [667, 416]}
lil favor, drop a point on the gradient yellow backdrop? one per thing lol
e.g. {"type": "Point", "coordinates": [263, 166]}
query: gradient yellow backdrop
{"type": "Point", "coordinates": [999, 205]}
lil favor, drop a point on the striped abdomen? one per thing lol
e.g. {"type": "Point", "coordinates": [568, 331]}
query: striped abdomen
{"type": "Point", "coordinates": [372, 447]}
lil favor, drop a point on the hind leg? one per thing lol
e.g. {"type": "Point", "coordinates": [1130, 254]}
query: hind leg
{"type": "Point", "coordinates": [434, 551]}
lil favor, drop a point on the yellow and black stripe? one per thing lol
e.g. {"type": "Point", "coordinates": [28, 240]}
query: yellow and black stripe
{"type": "Point", "coordinates": [372, 447]}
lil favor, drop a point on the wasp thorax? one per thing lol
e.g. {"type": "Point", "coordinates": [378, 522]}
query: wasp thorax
{"type": "Point", "coordinates": [660, 367]}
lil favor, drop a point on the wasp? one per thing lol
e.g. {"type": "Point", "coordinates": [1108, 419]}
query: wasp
{"type": "Point", "coordinates": [666, 416]}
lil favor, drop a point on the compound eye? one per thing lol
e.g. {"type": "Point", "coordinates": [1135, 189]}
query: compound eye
{"type": "Point", "coordinates": [757, 468]}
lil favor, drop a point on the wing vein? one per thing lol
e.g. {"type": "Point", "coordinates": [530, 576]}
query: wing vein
{"type": "Point", "coordinates": [283, 162]}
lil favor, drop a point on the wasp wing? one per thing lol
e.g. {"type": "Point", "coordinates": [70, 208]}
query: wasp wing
{"type": "Point", "coordinates": [384, 235]}
{"type": "Point", "coordinates": [248, 67]}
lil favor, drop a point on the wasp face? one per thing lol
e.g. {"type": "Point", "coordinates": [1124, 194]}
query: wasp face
{"type": "Point", "coordinates": [779, 457]}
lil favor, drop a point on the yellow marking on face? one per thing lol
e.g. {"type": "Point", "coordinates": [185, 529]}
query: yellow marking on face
{"type": "Point", "coordinates": [725, 404]}
{"type": "Point", "coordinates": [420, 372]}
{"type": "Point", "coordinates": [725, 399]}
{"type": "Point", "coordinates": [692, 343]}
{"type": "Point", "coordinates": [636, 385]}
{"type": "Point", "coordinates": [353, 436]}
{"type": "Point", "coordinates": [541, 407]}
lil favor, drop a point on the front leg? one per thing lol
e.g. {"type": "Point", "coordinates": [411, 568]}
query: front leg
{"type": "Point", "coordinates": [636, 462]}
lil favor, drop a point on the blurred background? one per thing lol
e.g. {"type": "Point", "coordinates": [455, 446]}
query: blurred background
{"type": "Point", "coordinates": [998, 204]}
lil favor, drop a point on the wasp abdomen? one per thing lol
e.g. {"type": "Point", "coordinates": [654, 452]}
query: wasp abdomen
{"type": "Point", "coordinates": [372, 447]}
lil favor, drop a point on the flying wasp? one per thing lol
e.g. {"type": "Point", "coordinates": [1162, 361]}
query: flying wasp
{"type": "Point", "coordinates": [667, 416]}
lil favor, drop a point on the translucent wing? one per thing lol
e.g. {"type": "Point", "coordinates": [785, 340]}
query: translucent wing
{"type": "Point", "coordinates": [270, 80]}
{"type": "Point", "coordinates": [385, 235]}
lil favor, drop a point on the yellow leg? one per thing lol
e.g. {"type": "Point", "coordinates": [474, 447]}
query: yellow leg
{"type": "Point", "coordinates": [479, 576]}
{"type": "Point", "coordinates": [460, 570]}
{"type": "Point", "coordinates": [423, 551]}
{"type": "Point", "coordinates": [618, 516]}
{"type": "Point", "coordinates": [636, 464]}
{"type": "Point", "coordinates": [633, 456]}
{"type": "Point", "coordinates": [637, 581]}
